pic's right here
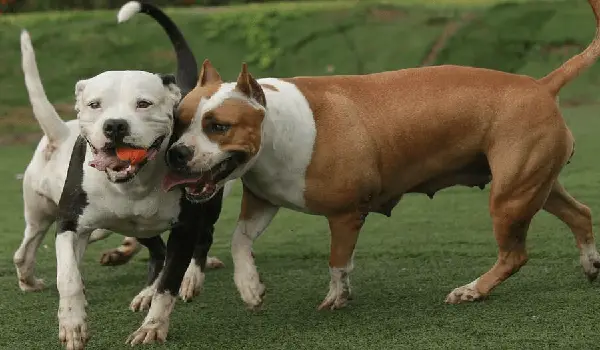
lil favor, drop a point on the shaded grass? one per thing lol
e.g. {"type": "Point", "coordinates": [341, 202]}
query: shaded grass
{"type": "Point", "coordinates": [405, 266]}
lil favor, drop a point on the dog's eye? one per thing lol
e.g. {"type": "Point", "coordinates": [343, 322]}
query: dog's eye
{"type": "Point", "coordinates": [218, 128]}
{"type": "Point", "coordinates": [94, 105]}
{"type": "Point", "coordinates": [143, 104]}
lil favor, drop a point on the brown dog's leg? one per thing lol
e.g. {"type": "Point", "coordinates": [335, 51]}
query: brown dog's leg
{"type": "Point", "coordinates": [521, 184]}
{"type": "Point", "coordinates": [122, 254]}
{"type": "Point", "coordinates": [579, 219]}
{"type": "Point", "coordinates": [344, 234]}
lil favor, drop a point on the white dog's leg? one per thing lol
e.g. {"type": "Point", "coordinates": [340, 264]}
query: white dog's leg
{"type": "Point", "coordinates": [256, 216]}
{"type": "Point", "coordinates": [39, 215]}
{"type": "Point", "coordinates": [70, 247]}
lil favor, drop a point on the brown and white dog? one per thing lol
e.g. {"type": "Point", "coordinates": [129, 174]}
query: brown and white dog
{"type": "Point", "coordinates": [346, 146]}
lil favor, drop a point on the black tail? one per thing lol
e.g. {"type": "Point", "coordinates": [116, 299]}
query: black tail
{"type": "Point", "coordinates": [187, 67]}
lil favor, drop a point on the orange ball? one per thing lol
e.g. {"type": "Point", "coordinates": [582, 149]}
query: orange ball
{"type": "Point", "coordinates": [133, 155]}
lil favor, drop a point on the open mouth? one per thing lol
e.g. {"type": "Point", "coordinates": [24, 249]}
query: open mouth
{"type": "Point", "coordinates": [203, 186]}
{"type": "Point", "coordinates": [123, 161]}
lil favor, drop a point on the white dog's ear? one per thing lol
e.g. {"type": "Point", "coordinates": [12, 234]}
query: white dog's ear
{"type": "Point", "coordinates": [79, 86]}
{"type": "Point", "coordinates": [169, 82]}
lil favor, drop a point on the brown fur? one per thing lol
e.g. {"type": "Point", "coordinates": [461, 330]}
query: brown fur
{"type": "Point", "coordinates": [425, 129]}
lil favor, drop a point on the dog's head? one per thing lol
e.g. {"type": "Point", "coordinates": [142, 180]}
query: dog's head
{"type": "Point", "coordinates": [126, 109]}
{"type": "Point", "coordinates": [220, 133]}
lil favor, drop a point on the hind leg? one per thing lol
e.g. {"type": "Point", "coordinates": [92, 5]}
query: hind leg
{"type": "Point", "coordinates": [122, 254]}
{"type": "Point", "coordinates": [579, 219]}
{"type": "Point", "coordinates": [39, 215]}
{"type": "Point", "coordinates": [523, 175]}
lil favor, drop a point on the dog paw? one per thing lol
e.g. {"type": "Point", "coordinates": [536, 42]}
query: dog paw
{"type": "Point", "coordinates": [32, 284]}
{"type": "Point", "coordinates": [114, 257]}
{"type": "Point", "coordinates": [466, 293]}
{"type": "Point", "coordinates": [337, 297]}
{"type": "Point", "coordinates": [72, 332]}
{"type": "Point", "coordinates": [143, 300]}
{"type": "Point", "coordinates": [192, 282]}
{"type": "Point", "coordinates": [250, 288]}
{"type": "Point", "coordinates": [214, 263]}
{"type": "Point", "coordinates": [149, 333]}
{"type": "Point", "coordinates": [591, 264]}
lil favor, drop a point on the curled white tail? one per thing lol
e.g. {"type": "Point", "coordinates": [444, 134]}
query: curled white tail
{"type": "Point", "coordinates": [54, 128]}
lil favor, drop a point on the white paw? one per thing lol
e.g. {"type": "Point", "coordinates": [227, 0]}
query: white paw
{"type": "Point", "coordinates": [154, 331]}
{"type": "Point", "coordinates": [32, 284]}
{"type": "Point", "coordinates": [156, 325]}
{"type": "Point", "coordinates": [72, 329]}
{"type": "Point", "coordinates": [466, 293]}
{"type": "Point", "coordinates": [251, 289]}
{"type": "Point", "coordinates": [338, 295]}
{"type": "Point", "coordinates": [590, 261]}
{"type": "Point", "coordinates": [192, 282]}
{"type": "Point", "coordinates": [214, 263]}
{"type": "Point", "coordinates": [143, 300]}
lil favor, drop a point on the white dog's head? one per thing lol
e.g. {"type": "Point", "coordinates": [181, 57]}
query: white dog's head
{"type": "Point", "coordinates": [120, 110]}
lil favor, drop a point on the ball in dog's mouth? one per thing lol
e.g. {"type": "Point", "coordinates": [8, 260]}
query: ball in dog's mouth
{"type": "Point", "coordinates": [113, 158]}
{"type": "Point", "coordinates": [203, 186]}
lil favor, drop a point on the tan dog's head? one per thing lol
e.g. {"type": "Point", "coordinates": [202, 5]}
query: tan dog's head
{"type": "Point", "coordinates": [219, 133]}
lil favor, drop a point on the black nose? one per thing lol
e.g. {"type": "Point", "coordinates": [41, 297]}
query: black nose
{"type": "Point", "coordinates": [116, 129]}
{"type": "Point", "coordinates": [179, 155]}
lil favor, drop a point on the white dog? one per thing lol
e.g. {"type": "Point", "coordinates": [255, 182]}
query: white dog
{"type": "Point", "coordinates": [86, 188]}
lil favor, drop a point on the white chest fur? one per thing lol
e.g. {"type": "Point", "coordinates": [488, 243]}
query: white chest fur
{"type": "Point", "coordinates": [139, 210]}
{"type": "Point", "coordinates": [288, 138]}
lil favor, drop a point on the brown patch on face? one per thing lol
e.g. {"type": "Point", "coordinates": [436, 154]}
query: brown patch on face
{"type": "Point", "coordinates": [244, 121]}
{"type": "Point", "coordinates": [269, 87]}
{"type": "Point", "coordinates": [209, 82]}
{"type": "Point", "coordinates": [189, 105]}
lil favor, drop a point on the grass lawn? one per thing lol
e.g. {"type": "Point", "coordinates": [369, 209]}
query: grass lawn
{"type": "Point", "coordinates": [405, 266]}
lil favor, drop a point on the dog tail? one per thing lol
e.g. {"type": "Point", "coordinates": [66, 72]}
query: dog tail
{"type": "Point", "coordinates": [187, 67]}
{"type": "Point", "coordinates": [576, 64]}
{"type": "Point", "coordinates": [54, 128]}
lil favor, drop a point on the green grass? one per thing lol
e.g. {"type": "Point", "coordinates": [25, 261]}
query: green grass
{"type": "Point", "coordinates": [405, 266]}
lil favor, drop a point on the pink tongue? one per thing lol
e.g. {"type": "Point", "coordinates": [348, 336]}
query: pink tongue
{"type": "Point", "coordinates": [102, 161]}
{"type": "Point", "coordinates": [171, 180]}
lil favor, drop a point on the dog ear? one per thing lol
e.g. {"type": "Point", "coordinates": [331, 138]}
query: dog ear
{"type": "Point", "coordinates": [208, 74]}
{"type": "Point", "coordinates": [79, 86]}
{"type": "Point", "coordinates": [169, 82]}
{"type": "Point", "coordinates": [248, 86]}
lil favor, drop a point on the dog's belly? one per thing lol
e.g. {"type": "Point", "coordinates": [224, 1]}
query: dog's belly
{"type": "Point", "coordinates": [142, 218]}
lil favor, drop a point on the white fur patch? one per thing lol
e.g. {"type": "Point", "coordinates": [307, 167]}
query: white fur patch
{"type": "Point", "coordinates": [246, 276]}
{"type": "Point", "coordinates": [71, 312]}
{"type": "Point", "coordinates": [226, 91]}
{"type": "Point", "coordinates": [288, 139]}
{"type": "Point", "coordinates": [128, 10]}
{"type": "Point", "coordinates": [156, 324]}
{"type": "Point", "coordinates": [193, 281]}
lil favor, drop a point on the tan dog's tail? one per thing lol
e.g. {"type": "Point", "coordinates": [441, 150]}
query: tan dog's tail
{"type": "Point", "coordinates": [571, 69]}
{"type": "Point", "coordinates": [54, 128]}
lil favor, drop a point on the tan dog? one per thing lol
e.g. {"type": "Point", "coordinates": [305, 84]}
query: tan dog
{"type": "Point", "coordinates": [345, 146]}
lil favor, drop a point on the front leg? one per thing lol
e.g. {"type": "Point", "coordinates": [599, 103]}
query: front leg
{"type": "Point", "coordinates": [193, 280]}
{"type": "Point", "coordinates": [71, 242]}
{"type": "Point", "coordinates": [156, 248]}
{"type": "Point", "coordinates": [344, 234]}
{"type": "Point", "coordinates": [255, 216]}
{"type": "Point", "coordinates": [195, 221]}
{"type": "Point", "coordinates": [70, 247]}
